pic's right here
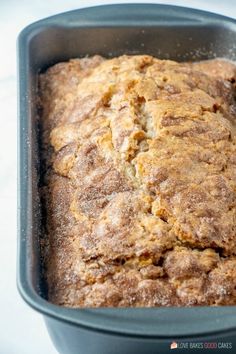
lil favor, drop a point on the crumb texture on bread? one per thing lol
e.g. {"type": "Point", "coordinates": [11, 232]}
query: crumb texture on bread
{"type": "Point", "coordinates": [140, 182]}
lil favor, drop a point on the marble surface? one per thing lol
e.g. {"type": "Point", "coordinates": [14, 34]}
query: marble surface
{"type": "Point", "coordinates": [22, 330]}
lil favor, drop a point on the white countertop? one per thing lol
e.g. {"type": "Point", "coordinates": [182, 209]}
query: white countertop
{"type": "Point", "coordinates": [22, 330]}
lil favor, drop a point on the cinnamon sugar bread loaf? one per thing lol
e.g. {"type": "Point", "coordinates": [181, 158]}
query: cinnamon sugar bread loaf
{"type": "Point", "coordinates": [140, 182]}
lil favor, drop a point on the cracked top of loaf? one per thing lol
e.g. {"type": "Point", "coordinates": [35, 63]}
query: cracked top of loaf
{"type": "Point", "coordinates": [140, 182]}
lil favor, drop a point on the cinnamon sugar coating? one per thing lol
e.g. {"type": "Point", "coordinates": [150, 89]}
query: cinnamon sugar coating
{"type": "Point", "coordinates": [140, 182]}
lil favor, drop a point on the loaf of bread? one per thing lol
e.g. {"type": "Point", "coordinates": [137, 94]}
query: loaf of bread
{"type": "Point", "coordinates": [139, 188]}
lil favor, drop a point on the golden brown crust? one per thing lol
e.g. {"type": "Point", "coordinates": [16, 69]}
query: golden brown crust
{"type": "Point", "coordinates": [140, 188]}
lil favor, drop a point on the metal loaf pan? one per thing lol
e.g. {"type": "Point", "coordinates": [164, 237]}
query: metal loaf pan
{"type": "Point", "coordinates": [163, 31]}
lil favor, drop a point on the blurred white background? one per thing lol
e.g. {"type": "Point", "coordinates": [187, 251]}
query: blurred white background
{"type": "Point", "coordinates": [22, 330]}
